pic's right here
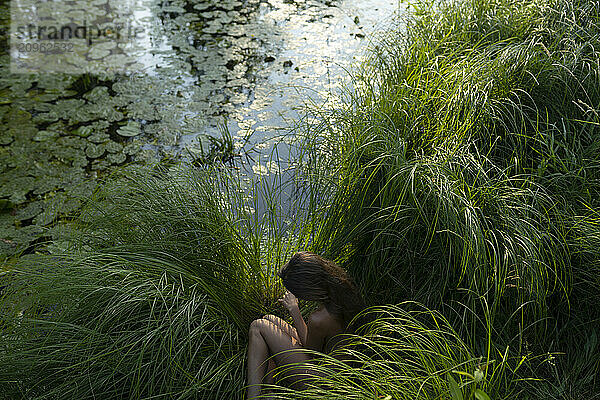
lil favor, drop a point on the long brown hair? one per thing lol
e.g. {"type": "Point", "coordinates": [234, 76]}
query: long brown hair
{"type": "Point", "coordinates": [309, 276]}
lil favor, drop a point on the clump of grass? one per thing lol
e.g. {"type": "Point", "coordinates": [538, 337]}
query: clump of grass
{"type": "Point", "coordinates": [461, 144]}
{"type": "Point", "coordinates": [407, 351]}
{"type": "Point", "coordinates": [117, 325]}
{"type": "Point", "coordinates": [148, 293]}
{"type": "Point", "coordinates": [464, 170]}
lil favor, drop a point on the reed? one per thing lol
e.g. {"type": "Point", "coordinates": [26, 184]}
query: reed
{"type": "Point", "coordinates": [458, 184]}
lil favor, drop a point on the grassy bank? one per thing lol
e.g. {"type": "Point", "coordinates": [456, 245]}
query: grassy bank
{"type": "Point", "coordinates": [459, 185]}
{"type": "Point", "coordinates": [467, 164]}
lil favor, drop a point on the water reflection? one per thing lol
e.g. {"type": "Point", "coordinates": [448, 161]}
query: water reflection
{"type": "Point", "coordinates": [251, 65]}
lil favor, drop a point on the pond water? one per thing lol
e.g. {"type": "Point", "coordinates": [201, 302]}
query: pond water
{"type": "Point", "coordinates": [203, 67]}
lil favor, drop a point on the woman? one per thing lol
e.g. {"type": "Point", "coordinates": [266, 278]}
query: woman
{"type": "Point", "coordinates": [310, 277]}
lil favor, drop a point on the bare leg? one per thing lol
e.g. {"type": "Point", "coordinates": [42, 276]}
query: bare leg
{"type": "Point", "coordinates": [269, 378]}
{"type": "Point", "coordinates": [257, 354]}
{"type": "Point", "coordinates": [268, 338]}
{"type": "Point", "coordinates": [284, 326]}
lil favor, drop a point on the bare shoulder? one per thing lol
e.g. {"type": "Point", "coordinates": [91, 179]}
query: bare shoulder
{"type": "Point", "coordinates": [322, 319]}
{"type": "Point", "coordinates": [322, 327]}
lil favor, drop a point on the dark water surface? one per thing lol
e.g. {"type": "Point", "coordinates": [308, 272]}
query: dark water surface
{"type": "Point", "coordinates": [206, 66]}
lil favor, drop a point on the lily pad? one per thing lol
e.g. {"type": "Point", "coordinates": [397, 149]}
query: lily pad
{"type": "Point", "coordinates": [5, 205]}
{"type": "Point", "coordinates": [82, 189]}
{"type": "Point", "coordinates": [5, 96]}
{"type": "Point", "coordinates": [69, 155]}
{"type": "Point", "coordinates": [67, 107]}
{"type": "Point", "coordinates": [72, 141]}
{"type": "Point", "coordinates": [31, 210]}
{"type": "Point", "coordinates": [97, 53]}
{"type": "Point", "coordinates": [100, 111]}
{"type": "Point", "coordinates": [116, 158]}
{"type": "Point", "coordinates": [55, 82]}
{"type": "Point", "coordinates": [132, 148]}
{"type": "Point", "coordinates": [44, 97]}
{"type": "Point", "coordinates": [59, 127]}
{"type": "Point", "coordinates": [27, 234]}
{"type": "Point", "coordinates": [98, 92]}
{"type": "Point", "coordinates": [99, 137]}
{"type": "Point", "coordinates": [7, 247]}
{"type": "Point", "coordinates": [114, 147]}
{"type": "Point", "coordinates": [84, 131]}
{"type": "Point", "coordinates": [7, 224]}
{"type": "Point", "coordinates": [100, 165]}
{"type": "Point", "coordinates": [45, 184]}
{"type": "Point", "coordinates": [43, 136]}
{"type": "Point", "coordinates": [16, 189]}
{"type": "Point", "coordinates": [148, 156]}
{"type": "Point", "coordinates": [45, 217]}
{"type": "Point", "coordinates": [132, 128]}
{"type": "Point", "coordinates": [202, 6]}
{"type": "Point", "coordinates": [94, 150]}
{"type": "Point", "coordinates": [6, 138]}
{"type": "Point", "coordinates": [79, 161]}
{"type": "Point", "coordinates": [50, 116]}
{"type": "Point", "coordinates": [173, 9]}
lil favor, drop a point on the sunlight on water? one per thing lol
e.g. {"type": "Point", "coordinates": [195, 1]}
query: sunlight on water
{"type": "Point", "coordinates": [195, 67]}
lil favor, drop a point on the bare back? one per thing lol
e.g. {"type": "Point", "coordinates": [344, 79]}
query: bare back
{"type": "Point", "coordinates": [331, 326]}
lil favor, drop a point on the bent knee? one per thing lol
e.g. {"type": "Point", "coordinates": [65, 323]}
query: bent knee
{"type": "Point", "coordinates": [257, 325]}
{"type": "Point", "coordinates": [270, 317]}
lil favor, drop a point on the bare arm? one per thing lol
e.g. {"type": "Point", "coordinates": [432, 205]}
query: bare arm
{"type": "Point", "coordinates": [299, 324]}
{"type": "Point", "coordinates": [291, 303]}
{"type": "Point", "coordinates": [316, 332]}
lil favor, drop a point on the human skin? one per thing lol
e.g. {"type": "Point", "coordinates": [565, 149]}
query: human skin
{"type": "Point", "coordinates": [270, 335]}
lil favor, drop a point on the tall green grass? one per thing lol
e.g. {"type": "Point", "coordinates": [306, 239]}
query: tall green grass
{"type": "Point", "coordinates": [407, 351]}
{"type": "Point", "coordinates": [149, 293]}
{"type": "Point", "coordinates": [463, 173]}
{"type": "Point", "coordinates": [461, 176]}
{"type": "Point", "coordinates": [467, 155]}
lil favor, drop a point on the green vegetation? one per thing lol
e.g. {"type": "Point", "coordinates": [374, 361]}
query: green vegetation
{"type": "Point", "coordinates": [459, 185]}
{"type": "Point", "coordinates": [76, 127]}
{"type": "Point", "coordinates": [150, 292]}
